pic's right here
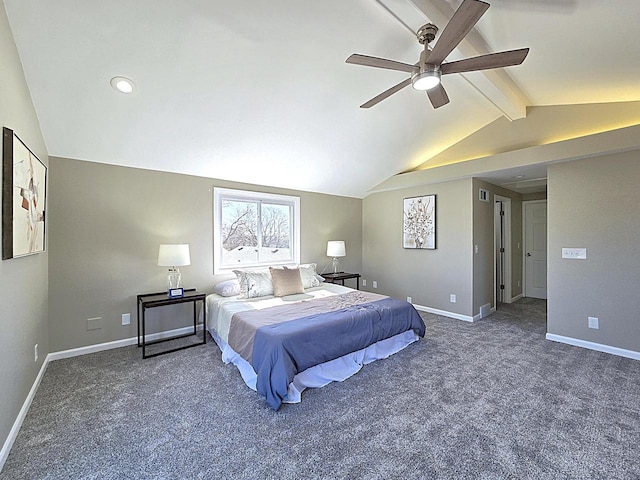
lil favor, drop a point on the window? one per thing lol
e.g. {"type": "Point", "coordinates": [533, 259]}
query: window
{"type": "Point", "coordinates": [253, 229]}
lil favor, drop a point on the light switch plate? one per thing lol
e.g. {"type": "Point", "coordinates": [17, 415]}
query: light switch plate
{"type": "Point", "coordinates": [574, 253]}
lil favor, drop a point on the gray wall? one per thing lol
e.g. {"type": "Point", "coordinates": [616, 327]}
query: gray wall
{"type": "Point", "coordinates": [428, 276]}
{"type": "Point", "coordinates": [23, 281]}
{"type": "Point", "coordinates": [483, 236]}
{"type": "Point", "coordinates": [106, 223]}
{"type": "Point", "coordinates": [594, 203]}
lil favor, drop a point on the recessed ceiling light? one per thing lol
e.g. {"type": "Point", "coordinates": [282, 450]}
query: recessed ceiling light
{"type": "Point", "coordinates": [519, 176]}
{"type": "Point", "coordinates": [123, 85]}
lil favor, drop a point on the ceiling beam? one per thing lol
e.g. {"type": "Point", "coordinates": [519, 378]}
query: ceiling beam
{"type": "Point", "coordinates": [495, 85]}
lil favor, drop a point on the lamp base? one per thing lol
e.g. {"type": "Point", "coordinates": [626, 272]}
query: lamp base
{"type": "Point", "coordinates": [335, 265]}
{"type": "Point", "coordinates": [174, 279]}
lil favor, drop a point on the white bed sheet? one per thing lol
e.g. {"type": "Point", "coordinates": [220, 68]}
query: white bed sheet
{"type": "Point", "coordinates": [221, 309]}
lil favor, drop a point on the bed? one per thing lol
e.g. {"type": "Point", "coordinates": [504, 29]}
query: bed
{"type": "Point", "coordinates": [284, 344]}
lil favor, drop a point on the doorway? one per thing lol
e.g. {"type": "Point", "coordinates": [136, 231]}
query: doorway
{"type": "Point", "coordinates": [535, 248]}
{"type": "Point", "coordinates": [502, 250]}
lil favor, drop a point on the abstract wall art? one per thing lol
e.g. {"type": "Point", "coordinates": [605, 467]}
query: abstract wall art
{"type": "Point", "coordinates": [24, 183]}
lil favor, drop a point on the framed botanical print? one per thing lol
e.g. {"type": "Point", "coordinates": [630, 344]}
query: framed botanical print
{"type": "Point", "coordinates": [419, 222]}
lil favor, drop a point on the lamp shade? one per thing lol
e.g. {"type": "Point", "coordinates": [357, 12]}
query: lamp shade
{"type": "Point", "coordinates": [335, 248]}
{"type": "Point", "coordinates": [174, 255]}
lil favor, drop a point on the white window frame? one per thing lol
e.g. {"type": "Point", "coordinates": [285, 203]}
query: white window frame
{"type": "Point", "coordinates": [220, 194]}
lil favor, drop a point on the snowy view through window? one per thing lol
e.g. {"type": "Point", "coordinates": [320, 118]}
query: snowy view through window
{"type": "Point", "coordinates": [255, 230]}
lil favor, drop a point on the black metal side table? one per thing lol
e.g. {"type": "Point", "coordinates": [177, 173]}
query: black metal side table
{"type": "Point", "coordinates": [161, 299]}
{"type": "Point", "coordinates": [342, 276]}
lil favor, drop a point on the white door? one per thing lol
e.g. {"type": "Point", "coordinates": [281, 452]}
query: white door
{"type": "Point", "coordinates": [535, 249]}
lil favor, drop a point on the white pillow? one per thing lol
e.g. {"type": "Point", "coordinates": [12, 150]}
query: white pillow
{"type": "Point", "coordinates": [228, 288]}
{"type": "Point", "coordinates": [254, 283]}
{"type": "Point", "coordinates": [309, 275]}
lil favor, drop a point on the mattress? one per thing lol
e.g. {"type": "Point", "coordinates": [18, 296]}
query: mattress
{"type": "Point", "coordinates": [308, 340]}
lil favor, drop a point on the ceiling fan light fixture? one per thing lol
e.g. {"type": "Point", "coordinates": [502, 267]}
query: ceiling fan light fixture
{"type": "Point", "coordinates": [426, 80]}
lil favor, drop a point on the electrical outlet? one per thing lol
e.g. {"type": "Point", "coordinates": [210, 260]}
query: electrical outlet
{"type": "Point", "coordinates": [518, 282]}
{"type": "Point", "coordinates": [364, 282]}
{"type": "Point", "coordinates": [452, 298]}
{"type": "Point", "coordinates": [409, 299]}
{"type": "Point", "coordinates": [35, 353]}
{"type": "Point", "coordinates": [375, 284]}
{"type": "Point", "coordinates": [594, 323]}
{"type": "Point", "coordinates": [475, 249]}
{"type": "Point", "coordinates": [126, 319]}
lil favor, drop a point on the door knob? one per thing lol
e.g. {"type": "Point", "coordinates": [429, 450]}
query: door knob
{"type": "Point", "coordinates": [528, 254]}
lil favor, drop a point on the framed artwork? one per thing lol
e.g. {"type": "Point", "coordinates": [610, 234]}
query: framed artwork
{"type": "Point", "coordinates": [419, 222]}
{"type": "Point", "coordinates": [24, 183]}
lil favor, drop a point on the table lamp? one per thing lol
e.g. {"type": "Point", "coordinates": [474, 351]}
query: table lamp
{"type": "Point", "coordinates": [335, 249]}
{"type": "Point", "coordinates": [174, 256]}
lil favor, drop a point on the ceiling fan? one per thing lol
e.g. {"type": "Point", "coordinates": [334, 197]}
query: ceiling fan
{"type": "Point", "coordinates": [426, 74]}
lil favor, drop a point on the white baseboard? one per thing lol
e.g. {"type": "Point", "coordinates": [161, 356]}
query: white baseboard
{"type": "Point", "coordinates": [444, 313]}
{"type": "Point", "coordinates": [621, 352]}
{"type": "Point", "coordinates": [13, 433]}
{"type": "Point", "coordinates": [479, 316]}
{"type": "Point", "coordinates": [74, 352]}
{"type": "Point", "coordinates": [516, 298]}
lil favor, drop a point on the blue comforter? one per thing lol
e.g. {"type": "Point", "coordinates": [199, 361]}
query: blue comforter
{"type": "Point", "coordinates": [281, 350]}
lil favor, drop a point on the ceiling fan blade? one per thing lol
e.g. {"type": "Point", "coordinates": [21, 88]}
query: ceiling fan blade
{"type": "Point", "coordinates": [368, 61]}
{"type": "Point", "coordinates": [460, 24]}
{"type": "Point", "coordinates": [438, 96]}
{"type": "Point", "coordinates": [485, 62]}
{"type": "Point", "coordinates": [387, 93]}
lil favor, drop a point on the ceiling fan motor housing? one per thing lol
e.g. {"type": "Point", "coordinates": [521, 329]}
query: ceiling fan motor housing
{"type": "Point", "coordinates": [426, 33]}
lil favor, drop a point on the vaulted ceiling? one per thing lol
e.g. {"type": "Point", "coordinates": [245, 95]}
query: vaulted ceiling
{"type": "Point", "coordinates": [259, 92]}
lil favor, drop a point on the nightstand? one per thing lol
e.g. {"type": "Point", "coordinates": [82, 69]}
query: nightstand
{"type": "Point", "coordinates": [341, 277]}
{"type": "Point", "coordinates": [161, 299]}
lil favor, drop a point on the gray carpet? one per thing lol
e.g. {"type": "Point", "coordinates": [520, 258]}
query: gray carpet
{"type": "Point", "coordinates": [492, 399]}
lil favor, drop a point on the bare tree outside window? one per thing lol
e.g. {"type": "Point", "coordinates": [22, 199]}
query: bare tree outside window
{"type": "Point", "coordinates": [275, 226]}
{"type": "Point", "coordinates": [239, 224]}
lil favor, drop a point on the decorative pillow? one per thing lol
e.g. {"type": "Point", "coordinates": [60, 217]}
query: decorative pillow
{"type": "Point", "coordinates": [228, 288]}
{"type": "Point", "coordinates": [309, 275]}
{"type": "Point", "coordinates": [254, 283]}
{"type": "Point", "coordinates": [286, 281]}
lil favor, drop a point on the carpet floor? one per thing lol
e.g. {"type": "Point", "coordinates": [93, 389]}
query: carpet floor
{"type": "Point", "coordinates": [484, 400]}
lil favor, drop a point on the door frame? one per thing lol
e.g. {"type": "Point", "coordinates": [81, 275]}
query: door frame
{"type": "Point", "coordinates": [524, 245]}
{"type": "Point", "coordinates": [507, 250]}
